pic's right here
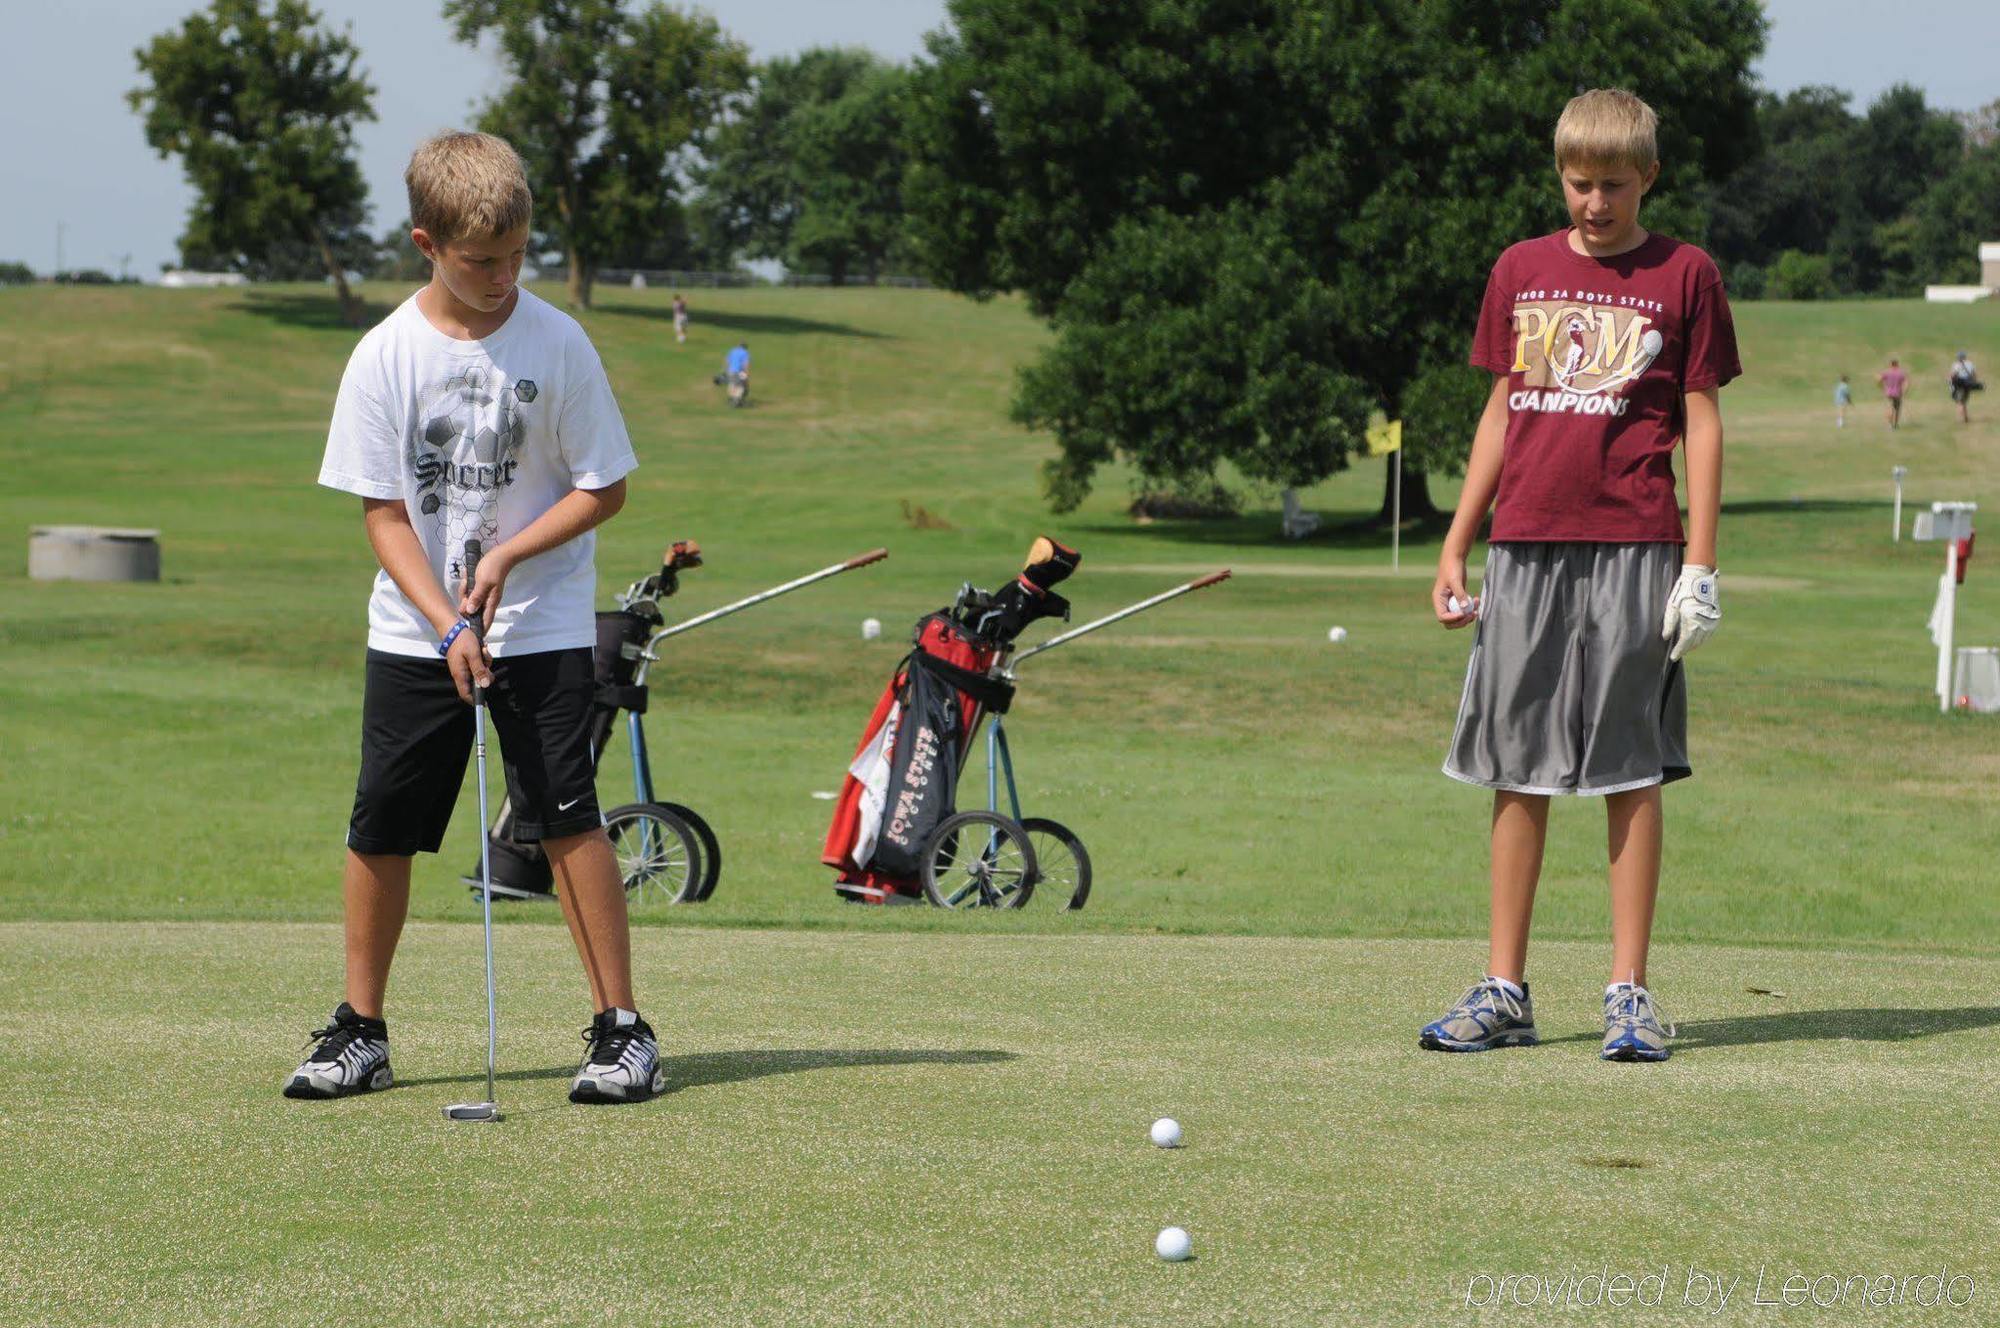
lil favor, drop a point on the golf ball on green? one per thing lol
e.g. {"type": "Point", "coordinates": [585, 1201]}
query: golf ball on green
{"type": "Point", "coordinates": [1167, 1132]}
{"type": "Point", "coordinates": [1173, 1245]}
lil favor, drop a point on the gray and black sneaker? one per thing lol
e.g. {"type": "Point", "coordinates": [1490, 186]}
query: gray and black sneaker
{"type": "Point", "coordinates": [1486, 1017]}
{"type": "Point", "coordinates": [623, 1063]}
{"type": "Point", "coordinates": [352, 1057]}
{"type": "Point", "coordinates": [1632, 1025]}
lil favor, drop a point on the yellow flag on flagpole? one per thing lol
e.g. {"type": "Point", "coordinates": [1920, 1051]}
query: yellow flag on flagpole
{"type": "Point", "coordinates": [1384, 437]}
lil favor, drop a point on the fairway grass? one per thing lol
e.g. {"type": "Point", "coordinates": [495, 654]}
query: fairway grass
{"type": "Point", "coordinates": [949, 1130]}
{"type": "Point", "coordinates": [186, 750]}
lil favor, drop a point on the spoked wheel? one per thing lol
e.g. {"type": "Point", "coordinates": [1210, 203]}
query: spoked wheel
{"type": "Point", "coordinates": [979, 859]}
{"type": "Point", "coordinates": [659, 854]}
{"type": "Point", "coordinates": [1062, 867]}
{"type": "Point", "coordinates": [711, 849]}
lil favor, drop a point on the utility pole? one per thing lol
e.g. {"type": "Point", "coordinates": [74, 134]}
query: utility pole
{"type": "Point", "coordinates": [59, 249]}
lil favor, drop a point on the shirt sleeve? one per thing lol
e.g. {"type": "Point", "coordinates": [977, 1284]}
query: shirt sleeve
{"type": "Point", "coordinates": [1711, 359]}
{"type": "Point", "coordinates": [1492, 340]}
{"type": "Point", "coordinates": [591, 430]}
{"type": "Point", "coordinates": [364, 445]}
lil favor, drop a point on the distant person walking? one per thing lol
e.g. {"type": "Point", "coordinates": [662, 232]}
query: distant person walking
{"type": "Point", "coordinates": [680, 318]}
{"type": "Point", "coordinates": [1843, 397]}
{"type": "Point", "coordinates": [736, 373]}
{"type": "Point", "coordinates": [1893, 380]}
{"type": "Point", "coordinates": [1964, 382]}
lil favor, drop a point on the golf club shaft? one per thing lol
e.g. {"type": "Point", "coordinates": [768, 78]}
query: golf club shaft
{"type": "Point", "coordinates": [861, 560]}
{"type": "Point", "coordinates": [486, 892]}
{"type": "Point", "coordinates": [478, 624]}
{"type": "Point", "coordinates": [1123, 613]}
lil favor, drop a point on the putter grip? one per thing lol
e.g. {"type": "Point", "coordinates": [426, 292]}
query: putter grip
{"type": "Point", "coordinates": [1210, 579]}
{"type": "Point", "coordinates": [477, 623]}
{"type": "Point", "coordinates": [863, 559]}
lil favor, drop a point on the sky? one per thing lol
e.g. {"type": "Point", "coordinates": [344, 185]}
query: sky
{"type": "Point", "coordinates": [75, 155]}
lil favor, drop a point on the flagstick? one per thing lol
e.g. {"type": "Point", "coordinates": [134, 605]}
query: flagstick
{"type": "Point", "coordinates": [1396, 518]}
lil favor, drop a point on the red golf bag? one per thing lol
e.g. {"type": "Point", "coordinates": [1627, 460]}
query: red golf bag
{"type": "Point", "coordinates": [903, 780]}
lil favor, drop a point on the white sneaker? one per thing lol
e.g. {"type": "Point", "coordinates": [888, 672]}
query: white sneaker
{"type": "Point", "coordinates": [623, 1063]}
{"type": "Point", "coordinates": [352, 1057]}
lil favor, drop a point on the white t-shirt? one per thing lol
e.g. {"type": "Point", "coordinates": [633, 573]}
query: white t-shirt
{"type": "Point", "coordinates": [479, 438]}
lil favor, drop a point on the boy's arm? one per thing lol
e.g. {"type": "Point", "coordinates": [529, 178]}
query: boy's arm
{"type": "Point", "coordinates": [1703, 441]}
{"type": "Point", "coordinates": [1482, 480]}
{"type": "Point", "coordinates": [576, 512]}
{"type": "Point", "coordinates": [402, 557]}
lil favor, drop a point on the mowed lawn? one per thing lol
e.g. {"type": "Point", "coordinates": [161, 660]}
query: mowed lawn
{"type": "Point", "coordinates": [952, 1130]}
{"type": "Point", "coordinates": [900, 1116]}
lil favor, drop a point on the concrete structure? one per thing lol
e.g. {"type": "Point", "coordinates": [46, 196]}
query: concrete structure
{"type": "Point", "coordinates": [180, 278]}
{"type": "Point", "coordinates": [93, 553]}
{"type": "Point", "coordinates": [1989, 281]}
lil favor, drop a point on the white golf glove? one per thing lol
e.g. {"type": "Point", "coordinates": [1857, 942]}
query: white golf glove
{"type": "Point", "coordinates": [1692, 610]}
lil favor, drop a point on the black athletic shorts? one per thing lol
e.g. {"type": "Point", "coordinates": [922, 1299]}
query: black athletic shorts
{"type": "Point", "coordinates": [416, 736]}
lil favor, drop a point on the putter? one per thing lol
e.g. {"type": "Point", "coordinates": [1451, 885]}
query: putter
{"type": "Point", "coordinates": [489, 1110]}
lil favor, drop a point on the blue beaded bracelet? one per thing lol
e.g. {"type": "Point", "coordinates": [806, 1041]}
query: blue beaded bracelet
{"type": "Point", "coordinates": [444, 646]}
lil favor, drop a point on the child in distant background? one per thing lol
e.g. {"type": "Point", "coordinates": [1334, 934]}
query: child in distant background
{"type": "Point", "coordinates": [1964, 382]}
{"type": "Point", "coordinates": [1894, 380]}
{"type": "Point", "coordinates": [1843, 397]}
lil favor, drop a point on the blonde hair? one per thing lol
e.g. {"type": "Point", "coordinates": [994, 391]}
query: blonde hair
{"type": "Point", "coordinates": [1607, 127]}
{"type": "Point", "coordinates": [464, 184]}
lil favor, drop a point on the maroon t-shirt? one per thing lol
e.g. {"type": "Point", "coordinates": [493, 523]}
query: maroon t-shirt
{"type": "Point", "coordinates": [1598, 354]}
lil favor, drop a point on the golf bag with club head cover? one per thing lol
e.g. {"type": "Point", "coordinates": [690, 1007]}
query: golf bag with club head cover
{"type": "Point", "coordinates": [521, 868]}
{"type": "Point", "coordinates": [902, 784]}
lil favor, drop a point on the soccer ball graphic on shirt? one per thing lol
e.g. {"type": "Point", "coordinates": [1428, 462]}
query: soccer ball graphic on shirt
{"type": "Point", "coordinates": [469, 435]}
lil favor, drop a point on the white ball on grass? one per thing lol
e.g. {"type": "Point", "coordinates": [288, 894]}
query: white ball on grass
{"type": "Point", "coordinates": [1167, 1132]}
{"type": "Point", "coordinates": [1336, 634]}
{"type": "Point", "coordinates": [1173, 1245]}
{"type": "Point", "coordinates": [871, 628]}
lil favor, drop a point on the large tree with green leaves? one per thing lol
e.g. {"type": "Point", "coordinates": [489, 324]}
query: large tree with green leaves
{"type": "Point", "coordinates": [1253, 221]}
{"type": "Point", "coordinates": [606, 107]}
{"type": "Point", "coordinates": [260, 105]}
{"type": "Point", "coordinates": [810, 170]}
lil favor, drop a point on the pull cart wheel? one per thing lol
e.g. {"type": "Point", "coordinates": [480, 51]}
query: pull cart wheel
{"type": "Point", "coordinates": [659, 854]}
{"type": "Point", "coordinates": [1062, 867]}
{"type": "Point", "coordinates": [711, 849]}
{"type": "Point", "coordinates": [979, 859]}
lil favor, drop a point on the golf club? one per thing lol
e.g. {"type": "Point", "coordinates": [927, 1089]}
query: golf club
{"type": "Point", "coordinates": [489, 1110]}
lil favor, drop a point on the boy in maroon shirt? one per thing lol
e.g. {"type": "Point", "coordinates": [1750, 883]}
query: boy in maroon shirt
{"type": "Point", "coordinates": [1607, 344]}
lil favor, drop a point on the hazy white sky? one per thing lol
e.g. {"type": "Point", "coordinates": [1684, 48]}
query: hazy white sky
{"type": "Point", "coordinates": [73, 152]}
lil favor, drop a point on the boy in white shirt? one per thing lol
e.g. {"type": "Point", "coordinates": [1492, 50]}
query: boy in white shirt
{"type": "Point", "coordinates": [476, 425]}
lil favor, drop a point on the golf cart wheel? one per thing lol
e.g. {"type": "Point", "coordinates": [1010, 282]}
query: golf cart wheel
{"type": "Point", "coordinates": [711, 848]}
{"type": "Point", "coordinates": [1062, 867]}
{"type": "Point", "coordinates": [659, 854]}
{"type": "Point", "coordinates": [979, 859]}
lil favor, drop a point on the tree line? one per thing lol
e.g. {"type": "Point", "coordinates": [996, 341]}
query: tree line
{"type": "Point", "coordinates": [1251, 224]}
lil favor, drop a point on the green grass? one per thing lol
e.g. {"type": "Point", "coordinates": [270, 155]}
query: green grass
{"type": "Point", "coordinates": [895, 1116]}
{"type": "Point", "coordinates": [959, 1136]}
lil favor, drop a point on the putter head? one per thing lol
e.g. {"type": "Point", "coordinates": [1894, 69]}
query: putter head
{"type": "Point", "coordinates": [473, 1111]}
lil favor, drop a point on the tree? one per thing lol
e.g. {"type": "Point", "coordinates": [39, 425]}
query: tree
{"type": "Point", "coordinates": [847, 165]}
{"type": "Point", "coordinates": [260, 105]}
{"type": "Point", "coordinates": [1957, 214]}
{"type": "Point", "coordinates": [1295, 201]}
{"type": "Point", "coordinates": [605, 108]}
{"type": "Point", "coordinates": [750, 186]}
{"type": "Point", "coordinates": [16, 274]}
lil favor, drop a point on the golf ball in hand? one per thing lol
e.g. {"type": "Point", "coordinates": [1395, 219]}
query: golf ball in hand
{"type": "Point", "coordinates": [1173, 1245]}
{"type": "Point", "coordinates": [871, 628]}
{"type": "Point", "coordinates": [1167, 1132]}
{"type": "Point", "coordinates": [1453, 604]}
{"type": "Point", "coordinates": [1336, 634]}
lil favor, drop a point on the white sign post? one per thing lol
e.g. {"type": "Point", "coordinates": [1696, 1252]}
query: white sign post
{"type": "Point", "coordinates": [1949, 522]}
{"type": "Point", "coordinates": [1896, 473]}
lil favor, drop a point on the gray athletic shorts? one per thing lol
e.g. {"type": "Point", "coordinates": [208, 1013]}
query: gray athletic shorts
{"type": "Point", "coordinates": [1569, 689]}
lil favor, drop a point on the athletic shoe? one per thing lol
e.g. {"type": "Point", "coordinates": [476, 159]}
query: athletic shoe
{"type": "Point", "coordinates": [352, 1057]}
{"type": "Point", "coordinates": [1632, 1029]}
{"type": "Point", "coordinates": [623, 1063]}
{"type": "Point", "coordinates": [1486, 1017]}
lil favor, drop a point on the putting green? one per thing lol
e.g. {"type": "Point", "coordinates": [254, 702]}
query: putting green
{"type": "Point", "coordinates": [869, 1129]}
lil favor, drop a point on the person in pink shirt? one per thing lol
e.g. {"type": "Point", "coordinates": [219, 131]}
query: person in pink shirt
{"type": "Point", "coordinates": [1893, 380]}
